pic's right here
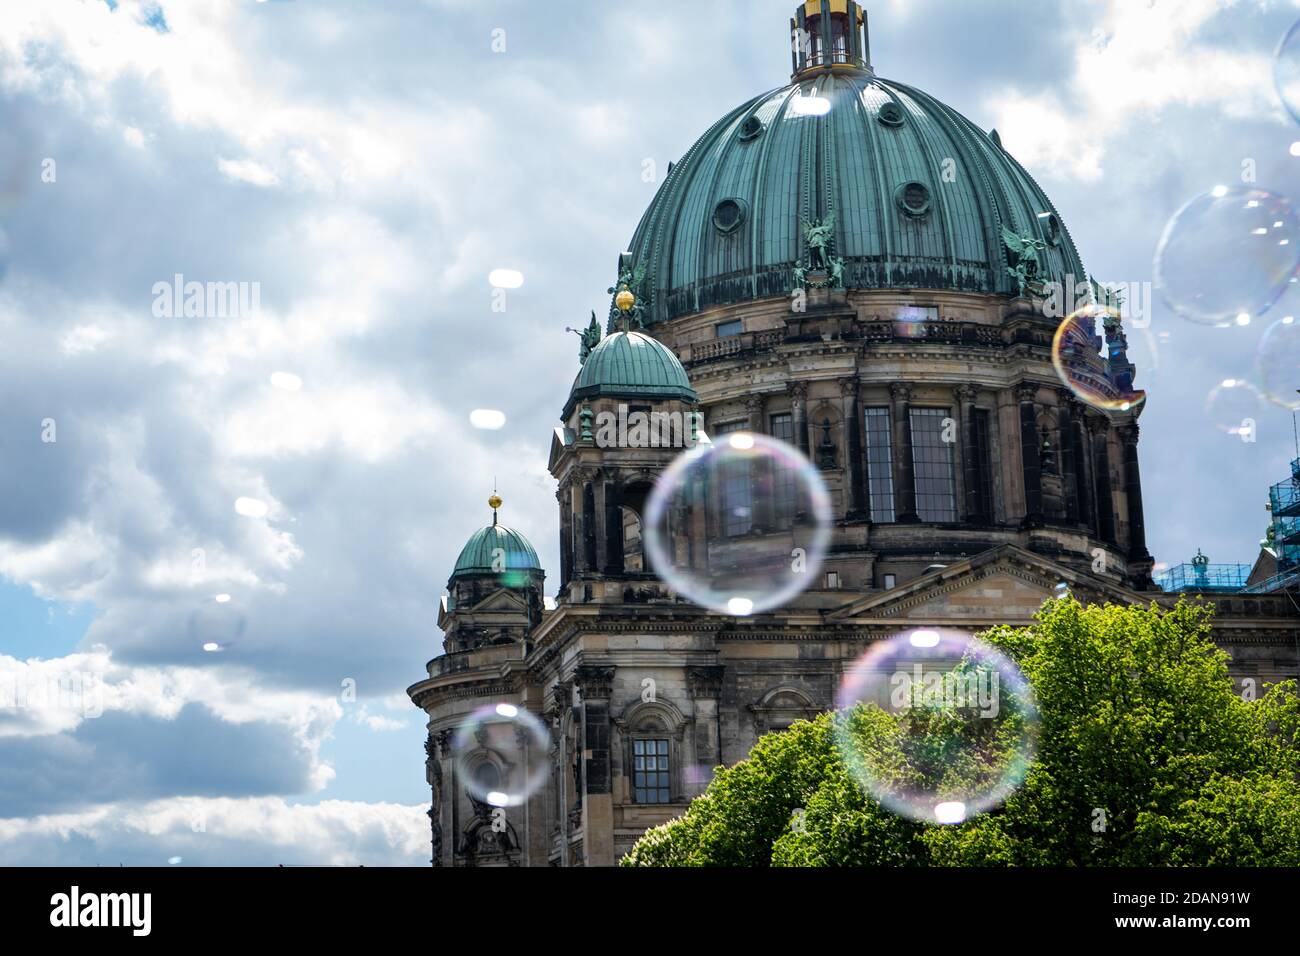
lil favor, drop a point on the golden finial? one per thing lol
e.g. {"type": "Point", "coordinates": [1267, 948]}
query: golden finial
{"type": "Point", "coordinates": [494, 502]}
{"type": "Point", "coordinates": [625, 299]}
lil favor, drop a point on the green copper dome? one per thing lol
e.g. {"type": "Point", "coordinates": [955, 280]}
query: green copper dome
{"type": "Point", "coordinates": [630, 365]}
{"type": "Point", "coordinates": [915, 195]}
{"type": "Point", "coordinates": [480, 554]}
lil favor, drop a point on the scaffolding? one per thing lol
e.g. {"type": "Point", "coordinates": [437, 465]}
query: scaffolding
{"type": "Point", "coordinates": [1200, 576]}
{"type": "Point", "coordinates": [1284, 506]}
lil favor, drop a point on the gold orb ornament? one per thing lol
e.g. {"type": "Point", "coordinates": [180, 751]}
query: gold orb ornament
{"type": "Point", "coordinates": [494, 502]}
{"type": "Point", "coordinates": [625, 300]}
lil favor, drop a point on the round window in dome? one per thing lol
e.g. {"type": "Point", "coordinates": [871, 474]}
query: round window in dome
{"type": "Point", "coordinates": [891, 114]}
{"type": "Point", "coordinates": [913, 199]}
{"type": "Point", "coordinates": [752, 128]}
{"type": "Point", "coordinates": [1054, 230]}
{"type": "Point", "coordinates": [728, 215]}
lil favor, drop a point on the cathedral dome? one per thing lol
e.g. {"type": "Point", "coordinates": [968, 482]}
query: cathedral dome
{"type": "Point", "coordinates": [480, 554]}
{"type": "Point", "coordinates": [916, 196]}
{"type": "Point", "coordinates": [630, 365]}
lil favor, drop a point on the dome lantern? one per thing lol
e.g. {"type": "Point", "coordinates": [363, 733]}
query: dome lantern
{"type": "Point", "coordinates": [828, 35]}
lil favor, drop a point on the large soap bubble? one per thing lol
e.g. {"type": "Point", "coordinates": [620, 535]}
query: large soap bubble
{"type": "Point", "coordinates": [739, 526]}
{"type": "Point", "coordinates": [1279, 363]}
{"type": "Point", "coordinates": [1226, 257]}
{"type": "Point", "coordinates": [1286, 70]}
{"type": "Point", "coordinates": [937, 726]}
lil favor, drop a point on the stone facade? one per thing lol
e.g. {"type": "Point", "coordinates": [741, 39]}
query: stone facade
{"type": "Point", "coordinates": [908, 293]}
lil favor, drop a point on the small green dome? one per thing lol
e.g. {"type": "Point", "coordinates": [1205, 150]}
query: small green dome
{"type": "Point", "coordinates": [480, 554]}
{"type": "Point", "coordinates": [631, 365]}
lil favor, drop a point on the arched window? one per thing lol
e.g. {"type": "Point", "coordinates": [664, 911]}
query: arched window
{"type": "Point", "coordinates": [653, 733]}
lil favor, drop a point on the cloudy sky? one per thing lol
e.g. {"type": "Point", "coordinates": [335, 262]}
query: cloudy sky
{"type": "Point", "coordinates": [367, 165]}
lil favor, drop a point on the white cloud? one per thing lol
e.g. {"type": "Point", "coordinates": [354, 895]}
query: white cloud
{"type": "Point", "coordinates": [247, 171]}
{"type": "Point", "coordinates": [223, 832]}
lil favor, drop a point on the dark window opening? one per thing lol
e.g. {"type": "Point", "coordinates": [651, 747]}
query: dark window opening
{"type": "Point", "coordinates": [932, 463]}
{"type": "Point", "coordinates": [880, 475]}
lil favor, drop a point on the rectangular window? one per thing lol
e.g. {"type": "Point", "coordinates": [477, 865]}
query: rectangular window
{"type": "Point", "coordinates": [737, 490]}
{"type": "Point", "coordinates": [730, 329]}
{"type": "Point", "coordinates": [932, 464]}
{"type": "Point", "coordinates": [832, 580]}
{"type": "Point", "coordinates": [890, 582]}
{"type": "Point", "coordinates": [650, 771]}
{"type": "Point", "coordinates": [783, 485]}
{"type": "Point", "coordinates": [880, 474]}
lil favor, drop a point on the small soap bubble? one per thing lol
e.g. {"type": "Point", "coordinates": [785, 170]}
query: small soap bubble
{"type": "Point", "coordinates": [1080, 355]}
{"type": "Point", "coordinates": [501, 753]}
{"type": "Point", "coordinates": [1234, 407]}
{"type": "Point", "coordinates": [1278, 360]}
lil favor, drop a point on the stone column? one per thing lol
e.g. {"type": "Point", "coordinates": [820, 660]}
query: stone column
{"type": "Point", "coordinates": [595, 684]}
{"type": "Point", "coordinates": [1031, 465]}
{"type": "Point", "coordinates": [1139, 558]}
{"type": "Point", "coordinates": [433, 774]}
{"type": "Point", "coordinates": [449, 815]}
{"type": "Point", "coordinates": [904, 471]}
{"type": "Point", "coordinates": [564, 495]}
{"type": "Point", "coordinates": [613, 495]}
{"type": "Point", "coordinates": [852, 416]}
{"type": "Point", "coordinates": [1068, 457]}
{"type": "Point", "coordinates": [799, 414]}
{"type": "Point", "coordinates": [1104, 498]}
{"type": "Point", "coordinates": [587, 524]}
{"type": "Point", "coordinates": [754, 407]}
{"type": "Point", "coordinates": [705, 687]}
{"type": "Point", "coordinates": [967, 468]}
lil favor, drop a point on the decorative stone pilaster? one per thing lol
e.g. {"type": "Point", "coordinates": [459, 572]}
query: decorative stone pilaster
{"type": "Point", "coordinates": [1104, 496]}
{"type": "Point", "coordinates": [1139, 559]}
{"type": "Point", "coordinates": [851, 414]}
{"type": "Point", "coordinates": [904, 473]}
{"type": "Point", "coordinates": [1031, 466]}
{"type": "Point", "coordinates": [704, 684]}
{"type": "Point", "coordinates": [964, 397]}
{"type": "Point", "coordinates": [595, 684]}
{"type": "Point", "coordinates": [799, 414]}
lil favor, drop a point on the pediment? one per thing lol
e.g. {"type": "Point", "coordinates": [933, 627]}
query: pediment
{"type": "Point", "coordinates": [1006, 585]}
{"type": "Point", "coordinates": [501, 601]}
{"type": "Point", "coordinates": [562, 439]}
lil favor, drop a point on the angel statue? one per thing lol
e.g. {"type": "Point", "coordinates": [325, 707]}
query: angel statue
{"type": "Point", "coordinates": [1022, 254]}
{"type": "Point", "coordinates": [819, 235]}
{"type": "Point", "coordinates": [589, 337]}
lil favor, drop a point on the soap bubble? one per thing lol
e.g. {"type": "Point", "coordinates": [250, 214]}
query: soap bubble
{"type": "Point", "coordinates": [1077, 356]}
{"type": "Point", "coordinates": [217, 624]}
{"type": "Point", "coordinates": [1226, 257]}
{"type": "Point", "coordinates": [1234, 407]}
{"type": "Point", "coordinates": [501, 754]}
{"type": "Point", "coordinates": [937, 726]}
{"type": "Point", "coordinates": [1279, 363]}
{"type": "Point", "coordinates": [1286, 70]}
{"type": "Point", "coordinates": [740, 526]}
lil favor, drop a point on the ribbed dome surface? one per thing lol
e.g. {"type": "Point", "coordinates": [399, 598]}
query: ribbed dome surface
{"type": "Point", "coordinates": [631, 365]}
{"type": "Point", "coordinates": [479, 554]}
{"type": "Point", "coordinates": [725, 225]}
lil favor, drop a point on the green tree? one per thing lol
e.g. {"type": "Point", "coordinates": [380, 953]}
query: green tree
{"type": "Point", "coordinates": [1146, 756]}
